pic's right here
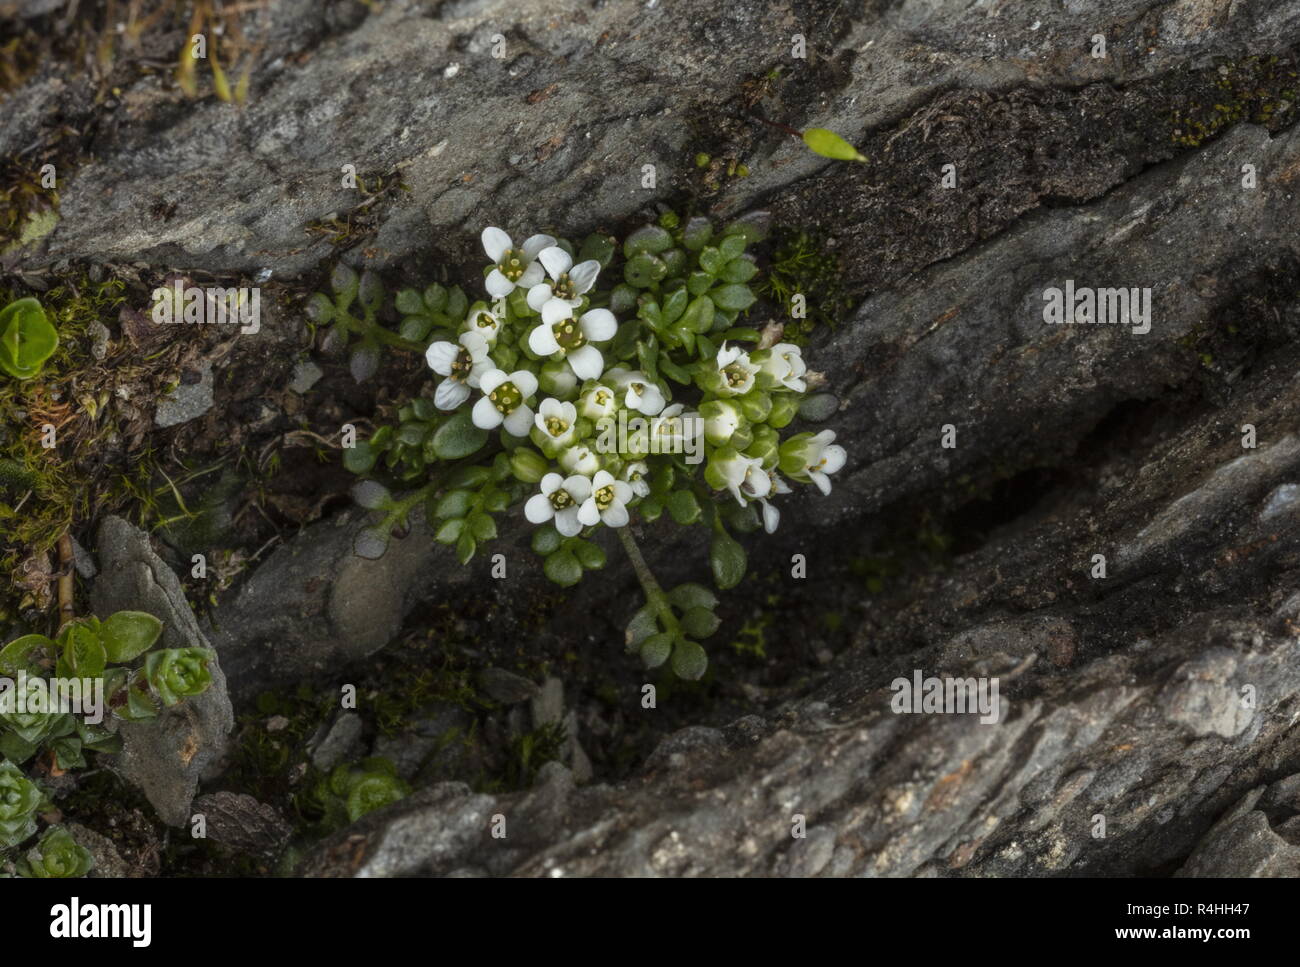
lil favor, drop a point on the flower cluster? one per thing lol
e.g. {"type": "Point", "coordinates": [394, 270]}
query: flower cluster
{"type": "Point", "coordinates": [591, 396]}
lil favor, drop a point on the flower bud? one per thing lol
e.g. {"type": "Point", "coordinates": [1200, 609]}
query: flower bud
{"type": "Point", "coordinates": [597, 403]}
{"type": "Point", "coordinates": [558, 380]}
{"type": "Point", "coordinates": [580, 460]}
{"type": "Point", "coordinates": [721, 419]}
{"type": "Point", "coordinates": [528, 465]}
{"type": "Point", "coordinates": [785, 406]}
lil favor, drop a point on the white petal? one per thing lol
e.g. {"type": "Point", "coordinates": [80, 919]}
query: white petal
{"type": "Point", "coordinates": [550, 407]}
{"type": "Point", "coordinates": [534, 244]}
{"type": "Point", "coordinates": [542, 340]}
{"type": "Point", "coordinates": [567, 523]}
{"type": "Point", "coordinates": [598, 325]}
{"type": "Point", "coordinates": [623, 491]}
{"type": "Point", "coordinates": [587, 362]}
{"type": "Point", "coordinates": [556, 260]}
{"type": "Point", "coordinates": [532, 275]}
{"type": "Point", "coordinates": [553, 310]}
{"type": "Point", "coordinates": [539, 295]}
{"type": "Point", "coordinates": [491, 380]}
{"type": "Point", "coordinates": [539, 510]}
{"type": "Point", "coordinates": [450, 394]}
{"type": "Point", "coordinates": [520, 421]}
{"type": "Point", "coordinates": [798, 385]}
{"type": "Point", "coordinates": [568, 413]}
{"type": "Point", "coordinates": [771, 517]}
{"type": "Point", "coordinates": [834, 457]}
{"type": "Point", "coordinates": [578, 486]}
{"type": "Point", "coordinates": [603, 478]}
{"type": "Point", "coordinates": [822, 481]}
{"type": "Point", "coordinates": [615, 515]}
{"type": "Point", "coordinates": [552, 482]}
{"type": "Point", "coordinates": [588, 513]}
{"type": "Point", "coordinates": [440, 356]}
{"type": "Point", "coordinates": [475, 342]}
{"type": "Point", "coordinates": [498, 285]}
{"type": "Point", "coordinates": [583, 275]}
{"type": "Point", "coordinates": [653, 400]}
{"type": "Point", "coordinates": [496, 243]}
{"type": "Point", "coordinates": [485, 415]}
{"type": "Point", "coordinates": [524, 381]}
{"type": "Point", "coordinates": [727, 355]}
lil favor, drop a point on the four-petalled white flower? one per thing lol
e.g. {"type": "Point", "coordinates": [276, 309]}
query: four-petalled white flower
{"type": "Point", "coordinates": [561, 499]}
{"type": "Point", "coordinates": [771, 514]}
{"type": "Point", "coordinates": [736, 371]}
{"type": "Point", "coordinates": [821, 457]}
{"type": "Point", "coordinates": [503, 401]}
{"type": "Point", "coordinates": [514, 266]}
{"type": "Point", "coordinates": [607, 502]}
{"type": "Point", "coordinates": [635, 473]}
{"type": "Point", "coordinates": [637, 392]}
{"type": "Point", "coordinates": [463, 363]}
{"type": "Point", "coordinates": [556, 421]}
{"type": "Point", "coordinates": [785, 365]}
{"type": "Point", "coordinates": [573, 338]}
{"type": "Point", "coordinates": [557, 298]}
{"type": "Point", "coordinates": [745, 477]}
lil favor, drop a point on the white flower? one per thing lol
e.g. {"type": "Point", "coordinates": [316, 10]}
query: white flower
{"type": "Point", "coordinates": [670, 430]}
{"type": "Point", "coordinates": [745, 477]}
{"type": "Point", "coordinates": [721, 420]}
{"type": "Point", "coordinates": [557, 299]}
{"type": "Point", "coordinates": [597, 403]}
{"type": "Point", "coordinates": [608, 501]}
{"type": "Point", "coordinates": [572, 340]}
{"type": "Point", "coordinates": [561, 498]}
{"type": "Point", "coordinates": [463, 363]}
{"type": "Point", "coordinates": [580, 460]}
{"type": "Point", "coordinates": [486, 322]}
{"type": "Point", "coordinates": [638, 392]}
{"type": "Point", "coordinates": [514, 266]}
{"type": "Point", "coordinates": [822, 457]}
{"type": "Point", "coordinates": [556, 421]}
{"type": "Point", "coordinates": [635, 473]}
{"type": "Point", "coordinates": [736, 370]}
{"type": "Point", "coordinates": [785, 365]}
{"type": "Point", "coordinates": [503, 401]}
{"type": "Point", "coordinates": [772, 515]}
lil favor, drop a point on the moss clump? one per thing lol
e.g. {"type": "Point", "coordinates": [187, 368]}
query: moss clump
{"type": "Point", "coordinates": [1254, 89]}
{"type": "Point", "coordinates": [801, 264]}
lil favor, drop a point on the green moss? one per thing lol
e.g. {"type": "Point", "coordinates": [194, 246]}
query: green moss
{"type": "Point", "coordinates": [801, 264]}
{"type": "Point", "coordinates": [1255, 89]}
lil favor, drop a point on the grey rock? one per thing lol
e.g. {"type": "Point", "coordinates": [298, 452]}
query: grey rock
{"type": "Point", "coordinates": [188, 401]}
{"type": "Point", "coordinates": [242, 823]}
{"type": "Point", "coordinates": [166, 757]}
{"type": "Point", "coordinates": [306, 374]}
{"type": "Point", "coordinates": [1243, 844]}
{"type": "Point", "coordinates": [107, 862]}
{"type": "Point", "coordinates": [547, 706]}
{"type": "Point", "coordinates": [506, 687]}
{"type": "Point", "coordinates": [340, 743]}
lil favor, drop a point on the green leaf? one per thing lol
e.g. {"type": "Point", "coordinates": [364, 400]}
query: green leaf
{"type": "Point", "coordinates": [622, 298]}
{"type": "Point", "coordinates": [17, 655]}
{"type": "Point", "coordinates": [828, 144]}
{"type": "Point", "coordinates": [409, 302]}
{"type": "Point", "coordinates": [675, 305]}
{"type": "Point", "coordinates": [466, 545]}
{"type": "Point", "coordinates": [415, 328]}
{"type": "Point", "coordinates": [732, 247]}
{"type": "Point", "coordinates": [733, 297]}
{"type": "Point", "coordinates": [591, 556]}
{"type": "Point", "coordinates": [674, 372]}
{"type": "Point", "coordinates": [360, 458]}
{"type": "Point", "coordinates": [700, 622]}
{"type": "Point", "coordinates": [689, 660]}
{"type": "Point", "coordinates": [458, 437]}
{"type": "Point", "coordinates": [563, 568]}
{"type": "Point", "coordinates": [449, 532]}
{"type": "Point", "coordinates": [454, 504]}
{"type": "Point", "coordinates": [739, 270]}
{"type": "Point", "coordinates": [698, 316]}
{"type": "Point", "coordinates": [471, 477]}
{"type": "Point", "coordinates": [27, 339]}
{"type": "Point", "coordinates": [546, 539]}
{"type": "Point", "coordinates": [697, 233]}
{"type": "Point", "coordinates": [484, 527]}
{"type": "Point", "coordinates": [84, 655]}
{"type": "Point", "coordinates": [644, 271]}
{"type": "Point", "coordinates": [371, 543]}
{"type": "Point", "coordinates": [649, 239]}
{"type": "Point", "coordinates": [371, 495]}
{"type": "Point", "coordinates": [752, 226]}
{"type": "Point", "coordinates": [819, 407]}
{"type": "Point", "coordinates": [683, 506]}
{"type": "Point", "coordinates": [711, 260]}
{"type": "Point", "coordinates": [690, 595]}
{"type": "Point", "coordinates": [598, 247]}
{"type": "Point", "coordinates": [698, 283]}
{"type": "Point", "coordinates": [728, 561]}
{"type": "Point", "coordinates": [435, 298]}
{"type": "Point", "coordinates": [643, 624]}
{"type": "Point", "coordinates": [320, 308]}
{"type": "Point", "coordinates": [129, 634]}
{"type": "Point", "coordinates": [656, 649]}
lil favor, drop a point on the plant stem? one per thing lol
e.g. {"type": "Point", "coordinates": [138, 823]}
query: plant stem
{"type": "Point", "coordinates": [654, 594]}
{"type": "Point", "coordinates": [66, 610]}
{"type": "Point", "coordinates": [793, 132]}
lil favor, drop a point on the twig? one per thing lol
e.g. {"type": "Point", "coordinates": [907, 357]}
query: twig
{"type": "Point", "coordinates": [66, 559]}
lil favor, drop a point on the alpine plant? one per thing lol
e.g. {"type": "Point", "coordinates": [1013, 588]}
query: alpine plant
{"type": "Point", "coordinates": [589, 389]}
